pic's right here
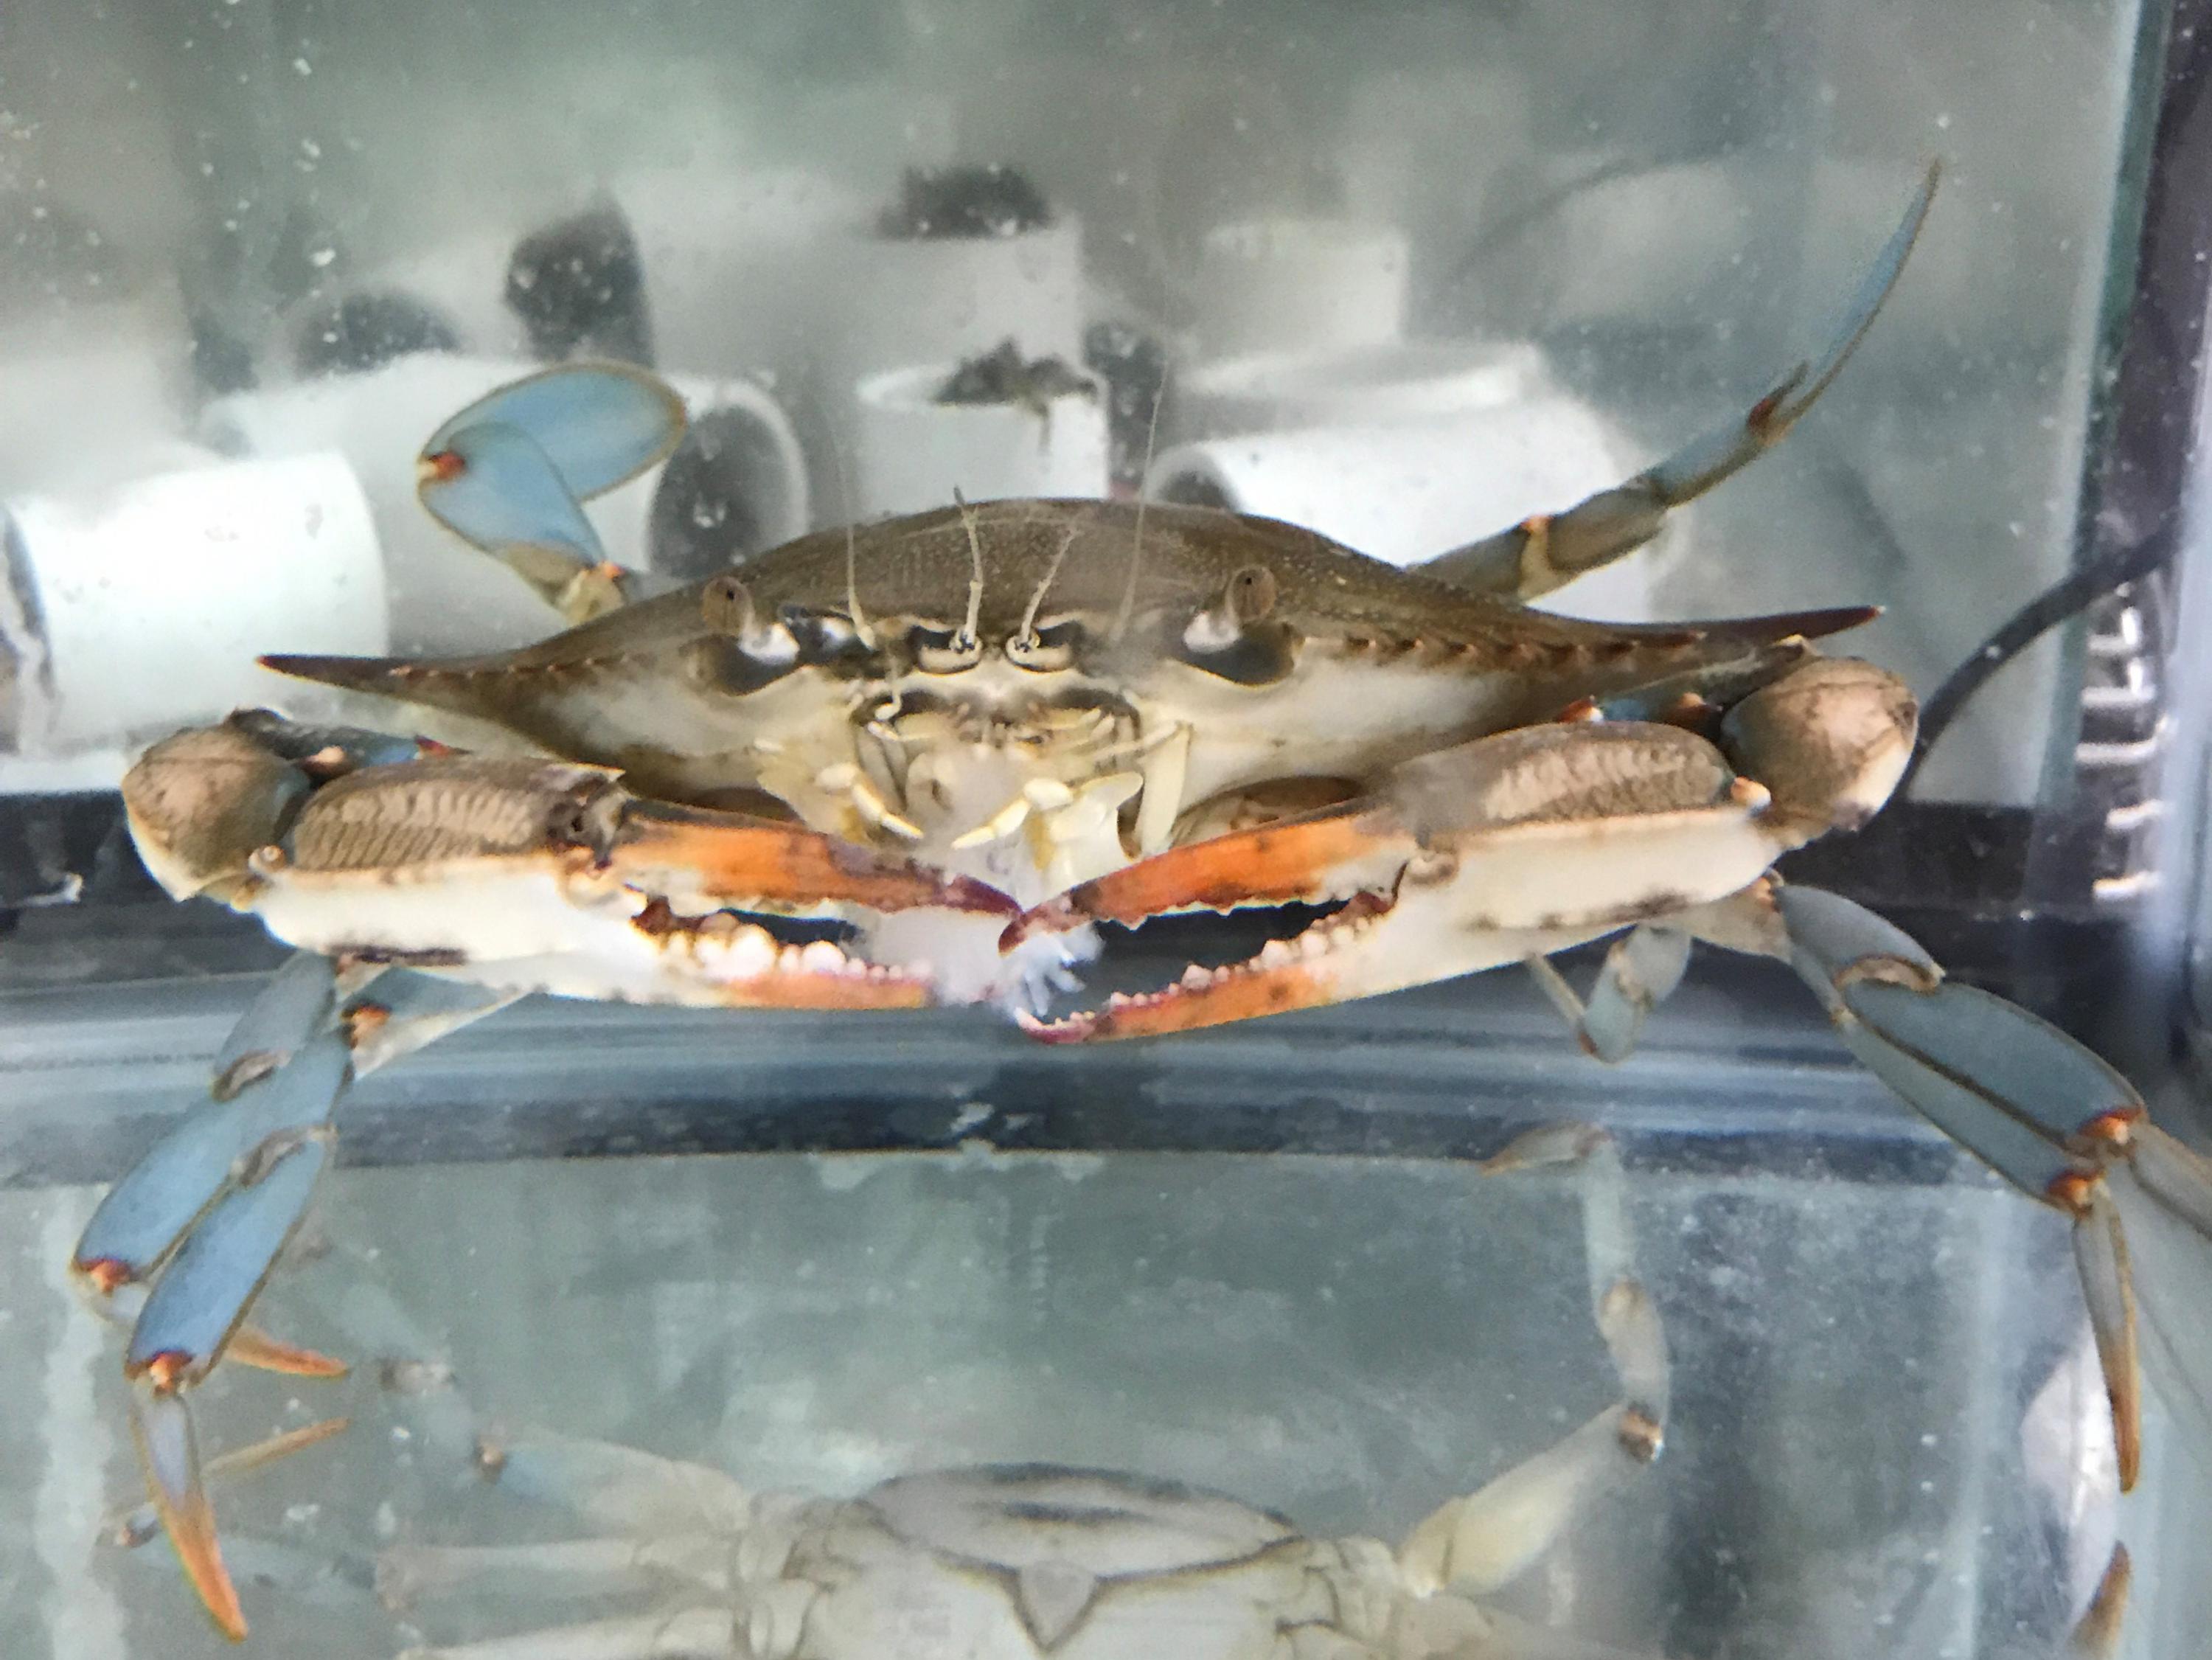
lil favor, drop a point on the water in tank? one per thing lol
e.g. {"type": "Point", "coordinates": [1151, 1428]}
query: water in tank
{"type": "Point", "coordinates": [1393, 1325]}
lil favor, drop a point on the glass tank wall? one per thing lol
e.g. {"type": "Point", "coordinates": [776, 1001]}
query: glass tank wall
{"type": "Point", "coordinates": [1404, 273]}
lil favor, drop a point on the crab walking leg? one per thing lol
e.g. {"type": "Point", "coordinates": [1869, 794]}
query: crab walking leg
{"type": "Point", "coordinates": [191, 1236]}
{"type": "Point", "coordinates": [670, 1529]}
{"type": "Point", "coordinates": [662, 1526]}
{"type": "Point", "coordinates": [291, 1083]}
{"type": "Point", "coordinates": [1512, 847]}
{"type": "Point", "coordinates": [1641, 971]}
{"type": "Point", "coordinates": [2096, 1635]}
{"type": "Point", "coordinates": [1547, 551]}
{"type": "Point", "coordinates": [1485, 1540]}
{"type": "Point", "coordinates": [2038, 1106]}
{"type": "Point", "coordinates": [129, 1529]}
{"type": "Point", "coordinates": [509, 473]}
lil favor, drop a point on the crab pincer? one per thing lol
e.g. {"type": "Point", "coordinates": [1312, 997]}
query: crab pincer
{"type": "Point", "coordinates": [1509, 847]}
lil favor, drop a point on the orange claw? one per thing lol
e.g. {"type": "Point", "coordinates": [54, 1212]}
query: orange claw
{"type": "Point", "coordinates": [1335, 960]}
{"type": "Point", "coordinates": [1235, 993]}
{"type": "Point", "coordinates": [1327, 855]}
{"type": "Point", "coordinates": [747, 862]}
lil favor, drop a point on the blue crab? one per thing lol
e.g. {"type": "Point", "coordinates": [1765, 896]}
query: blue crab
{"type": "Point", "coordinates": [962, 738]}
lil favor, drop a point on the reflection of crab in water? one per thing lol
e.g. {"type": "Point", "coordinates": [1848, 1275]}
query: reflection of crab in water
{"type": "Point", "coordinates": [1027, 1561]}
{"type": "Point", "coordinates": [915, 762]}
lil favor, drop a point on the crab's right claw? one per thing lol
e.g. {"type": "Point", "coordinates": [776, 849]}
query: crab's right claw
{"type": "Point", "coordinates": [2038, 1108]}
{"type": "Point", "coordinates": [1547, 551]}
{"type": "Point", "coordinates": [509, 472]}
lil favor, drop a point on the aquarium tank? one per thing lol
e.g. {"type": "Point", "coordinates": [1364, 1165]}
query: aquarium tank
{"type": "Point", "coordinates": [1393, 1325]}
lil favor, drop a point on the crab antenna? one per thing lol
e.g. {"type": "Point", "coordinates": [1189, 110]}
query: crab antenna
{"type": "Point", "coordinates": [1137, 543]}
{"type": "Point", "coordinates": [1029, 634]}
{"type": "Point", "coordinates": [867, 635]}
{"type": "Point", "coordinates": [968, 629]}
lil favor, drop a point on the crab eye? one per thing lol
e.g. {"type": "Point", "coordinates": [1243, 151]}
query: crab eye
{"type": "Point", "coordinates": [745, 653]}
{"type": "Point", "coordinates": [943, 651]}
{"type": "Point", "coordinates": [1042, 650]}
{"type": "Point", "coordinates": [1234, 636]}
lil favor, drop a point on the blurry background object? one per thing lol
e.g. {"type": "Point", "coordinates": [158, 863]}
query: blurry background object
{"type": "Point", "coordinates": [128, 608]}
{"type": "Point", "coordinates": [1299, 284]}
{"type": "Point", "coordinates": [994, 425]}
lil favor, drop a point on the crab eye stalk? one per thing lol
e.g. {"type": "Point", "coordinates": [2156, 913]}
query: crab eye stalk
{"type": "Point", "coordinates": [1235, 634]}
{"type": "Point", "coordinates": [746, 654]}
{"type": "Point", "coordinates": [943, 651]}
{"type": "Point", "coordinates": [1042, 650]}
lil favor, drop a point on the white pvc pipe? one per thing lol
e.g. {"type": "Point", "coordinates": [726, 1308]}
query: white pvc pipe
{"type": "Point", "coordinates": [903, 301]}
{"type": "Point", "coordinates": [1388, 382]}
{"type": "Point", "coordinates": [914, 452]}
{"type": "Point", "coordinates": [144, 607]}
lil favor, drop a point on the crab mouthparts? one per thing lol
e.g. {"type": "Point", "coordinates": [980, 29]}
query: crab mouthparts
{"type": "Point", "coordinates": [1294, 971]}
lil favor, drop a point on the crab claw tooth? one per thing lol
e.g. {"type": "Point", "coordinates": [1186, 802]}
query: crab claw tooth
{"type": "Point", "coordinates": [168, 1453]}
{"type": "Point", "coordinates": [1227, 995]}
{"type": "Point", "coordinates": [726, 860]}
{"type": "Point", "coordinates": [1323, 856]}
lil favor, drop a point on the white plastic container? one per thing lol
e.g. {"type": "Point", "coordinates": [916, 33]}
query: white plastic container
{"type": "Point", "coordinates": [144, 607]}
{"type": "Point", "coordinates": [912, 452]}
{"type": "Point", "coordinates": [901, 301]}
{"type": "Point", "coordinates": [1385, 381]}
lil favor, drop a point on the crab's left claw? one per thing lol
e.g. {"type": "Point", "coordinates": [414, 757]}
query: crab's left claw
{"type": "Point", "coordinates": [509, 473]}
{"type": "Point", "coordinates": [1510, 848]}
{"type": "Point", "coordinates": [2038, 1108]}
{"type": "Point", "coordinates": [1505, 847]}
